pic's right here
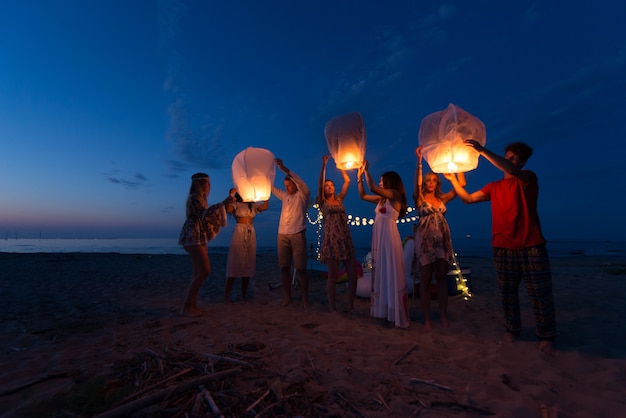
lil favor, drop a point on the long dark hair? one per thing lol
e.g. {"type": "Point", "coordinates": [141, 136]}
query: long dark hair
{"type": "Point", "coordinates": [239, 199]}
{"type": "Point", "coordinates": [392, 180]}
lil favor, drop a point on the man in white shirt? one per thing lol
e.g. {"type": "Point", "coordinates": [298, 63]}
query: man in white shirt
{"type": "Point", "coordinates": [291, 241]}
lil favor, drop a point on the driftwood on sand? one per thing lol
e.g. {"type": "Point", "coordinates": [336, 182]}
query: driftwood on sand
{"type": "Point", "coordinates": [159, 396]}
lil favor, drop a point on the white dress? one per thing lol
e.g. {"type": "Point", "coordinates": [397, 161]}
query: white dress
{"type": "Point", "coordinates": [389, 295]}
{"type": "Point", "coordinates": [242, 253]}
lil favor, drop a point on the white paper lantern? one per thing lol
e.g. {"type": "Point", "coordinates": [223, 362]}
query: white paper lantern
{"type": "Point", "coordinates": [442, 134]}
{"type": "Point", "coordinates": [346, 139]}
{"type": "Point", "coordinates": [253, 172]}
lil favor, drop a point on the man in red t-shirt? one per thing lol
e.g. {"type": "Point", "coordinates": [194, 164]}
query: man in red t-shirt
{"type": "Point", "coordinates": [519, 248]}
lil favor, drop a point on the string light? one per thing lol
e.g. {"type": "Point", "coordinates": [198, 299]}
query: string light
{"type": "Point", "coordinates": [318, 222]}
{"type": "Point", "coordinates": [365, 221]}
{"type": "Point", "coordinates": [360, 220]}
{"type": "Point", "coordinates": [352, 221]}
{"type": "Point", "coordinates": [461, 281]}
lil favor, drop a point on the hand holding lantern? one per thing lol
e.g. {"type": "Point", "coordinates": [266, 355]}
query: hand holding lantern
{"type": "Point", "coordinates": [475, 144]}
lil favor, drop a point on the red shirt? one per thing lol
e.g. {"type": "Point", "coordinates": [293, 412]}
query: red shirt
{"type": "Point", "coordinates": [514, 218]}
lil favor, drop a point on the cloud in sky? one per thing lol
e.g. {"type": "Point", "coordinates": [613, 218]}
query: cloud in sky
{"type": "Point", "coordinates": [202, 146]}
{"type": "Point", "coordinates": [432, 28]}
{"type": "Point", "coordinates": [169, 88]}
{"type": "Point", "coordinates": [198, 143]}
{"type": "Point", "coordinates": [585, 102]}
{"type": "Point", "coordinates": [137, 180]}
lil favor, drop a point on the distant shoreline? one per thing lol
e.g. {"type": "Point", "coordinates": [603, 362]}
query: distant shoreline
{"type": "Point", "coordinates": [465, 248]}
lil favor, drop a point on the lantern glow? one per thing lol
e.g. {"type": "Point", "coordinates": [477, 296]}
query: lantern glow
{"type": "Point", "coordinates": [442, 135]}
{"type": "Point", "coordinates": [253, 172]}
{"type": "Point", "coordinates": [346, 139]}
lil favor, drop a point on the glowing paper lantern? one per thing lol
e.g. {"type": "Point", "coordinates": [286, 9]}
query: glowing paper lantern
{"type": "Point", "coordinates": [253, 172]}
{"type": "Point", "coordinates": [346, 139]}
{"type": "Point", "coordinates": [442, 134]}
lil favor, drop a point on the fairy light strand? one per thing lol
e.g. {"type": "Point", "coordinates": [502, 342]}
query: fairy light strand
{"type": "Point", "coordinates": [362, 220]}
{"type": "Point", "coordinates": [352, 221]}
{"type": "Point", "coordinates": [461, 281]}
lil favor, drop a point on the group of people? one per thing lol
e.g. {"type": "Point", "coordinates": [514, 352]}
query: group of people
{"type": "Point", "coordinates": [203, 222]}
{"type": "Point", "coordinates": [519, 248]}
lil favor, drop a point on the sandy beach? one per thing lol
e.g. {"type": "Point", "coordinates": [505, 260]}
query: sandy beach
{"type": "Point", "coordinates": [100, 335]}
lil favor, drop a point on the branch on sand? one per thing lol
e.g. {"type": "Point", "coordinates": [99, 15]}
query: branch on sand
{"type": "Point", "coordinates": [140, 403]}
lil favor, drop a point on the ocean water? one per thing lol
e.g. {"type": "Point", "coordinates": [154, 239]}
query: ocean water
{"type": "Point", "coordinates": [463, 248]}
{"type": "Point", "coordinates": [96, 245]}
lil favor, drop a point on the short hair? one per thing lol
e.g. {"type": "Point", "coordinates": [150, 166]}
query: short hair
{"type": "Point", "coordinates": [289, 178]}
{"type": "Point", "coordinates": [521, 149]}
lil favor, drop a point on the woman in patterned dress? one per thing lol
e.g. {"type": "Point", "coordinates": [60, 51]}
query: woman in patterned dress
{"type": "Point", "coordinates": [389, 295]}
{"type": "Point", "coordinates": [202, 224]}
{"type": "Point", "coordinates": [337, 243]}
{"type": "Point", "coordinates": [433, 244]}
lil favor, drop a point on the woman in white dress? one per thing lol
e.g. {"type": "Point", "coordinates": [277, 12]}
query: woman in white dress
{"type": "Point", "coordinates": [242, 251]}
{"type": "Point", "coordinates": [389, 295]}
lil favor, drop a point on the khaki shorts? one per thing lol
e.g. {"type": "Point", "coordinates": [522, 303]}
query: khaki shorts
{"type": "Point", "coordinates": [292, 246]}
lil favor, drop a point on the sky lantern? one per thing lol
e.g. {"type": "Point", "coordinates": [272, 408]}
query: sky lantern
{"type": "Point", "coordinates": [442, 134]}
{"type": "Point", "coordinates": [346, 139]}
{"type": "Point", "coordinates": [253, 173]}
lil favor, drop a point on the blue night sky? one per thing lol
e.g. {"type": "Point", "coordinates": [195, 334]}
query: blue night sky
{"type": "Point", "coordinates": [108, 107]}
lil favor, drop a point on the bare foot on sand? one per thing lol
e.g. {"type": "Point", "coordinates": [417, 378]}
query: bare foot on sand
{"type": "Point", "coordinates": [306, 304]}
{"type": "Point", "coordinates": [444, 322]}
{"type": "Point", "coordinates": [546, 347]}
{"type": "Point", "coordinates": [285, 302]}
{"type": "Point", "coordinates": [428, 326]}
